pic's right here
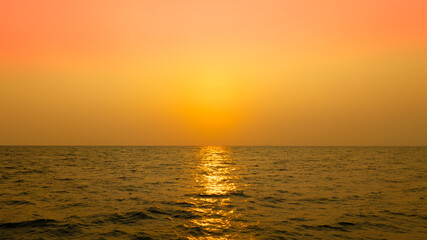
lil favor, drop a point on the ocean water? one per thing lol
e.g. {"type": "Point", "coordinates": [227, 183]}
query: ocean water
{"type": "Point", "coordinates": [213, 192]}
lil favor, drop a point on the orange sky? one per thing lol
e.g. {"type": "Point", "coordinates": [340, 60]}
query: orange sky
{"type": "Point", "coordinates": [223, 72]}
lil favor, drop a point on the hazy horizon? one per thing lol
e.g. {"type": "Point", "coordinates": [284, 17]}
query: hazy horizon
{"type": "Point", "coordinates": [350, 146]}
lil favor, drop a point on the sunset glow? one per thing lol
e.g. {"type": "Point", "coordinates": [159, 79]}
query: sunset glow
{"type": "Point", "coordinates": [213, 72]}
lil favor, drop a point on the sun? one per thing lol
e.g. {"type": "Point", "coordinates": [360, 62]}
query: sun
{"type": "Point", "coordinates": [210, 103]}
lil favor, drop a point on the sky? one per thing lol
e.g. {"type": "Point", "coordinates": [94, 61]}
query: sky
{"type": "Point", "coordinates": [224, 72]}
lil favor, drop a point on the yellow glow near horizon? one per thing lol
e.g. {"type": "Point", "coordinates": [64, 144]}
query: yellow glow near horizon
{"type": "Point", "coordinates": [210, 101]}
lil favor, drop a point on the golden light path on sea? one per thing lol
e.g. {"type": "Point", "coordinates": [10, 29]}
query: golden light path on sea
{"type": "Point", "coordinates": [216, 180]}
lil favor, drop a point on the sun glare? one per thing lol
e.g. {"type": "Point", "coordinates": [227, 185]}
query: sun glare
{"type": "Point", "coordinates": [211, 102]}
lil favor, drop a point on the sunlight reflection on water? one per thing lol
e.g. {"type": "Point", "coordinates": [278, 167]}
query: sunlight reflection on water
{"type": "Point", "coordinates": [215, 181]}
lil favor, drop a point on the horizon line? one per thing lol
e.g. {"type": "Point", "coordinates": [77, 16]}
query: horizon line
{"type": "Point", "coordinates": [266, 145]}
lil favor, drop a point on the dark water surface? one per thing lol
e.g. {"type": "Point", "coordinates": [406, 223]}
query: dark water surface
{"type": "Point", "coordinates": [213, 193]}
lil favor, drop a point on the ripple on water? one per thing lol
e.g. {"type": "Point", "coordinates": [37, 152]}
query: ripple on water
{"type": "Point", "coordinates": [212, 193]}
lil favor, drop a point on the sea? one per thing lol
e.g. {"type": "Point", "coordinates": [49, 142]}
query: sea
{"type": "Point", "coordinates": [212, 192]}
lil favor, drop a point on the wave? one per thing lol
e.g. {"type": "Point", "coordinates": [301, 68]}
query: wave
{"type": "Point", "coordinates": [229, 194]}
{"type": "Point", "coordinates": [126, 218]}
{"type": "Point", "coordinates": [30, 224]}
{"type": "Point", "coordinates": [17, 202]}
